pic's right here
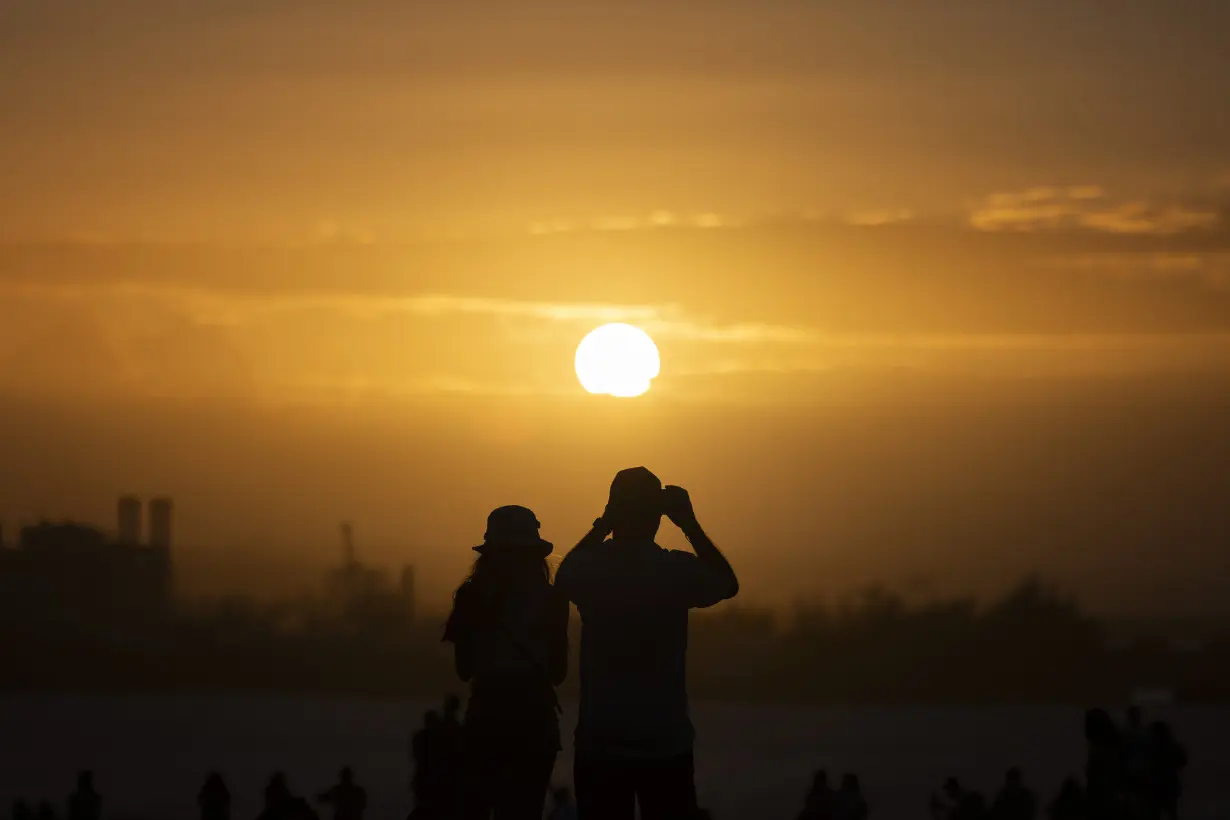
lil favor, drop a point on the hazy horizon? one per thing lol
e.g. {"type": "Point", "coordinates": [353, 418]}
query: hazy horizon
{"type": "Point", "coordinates": [930, 487]}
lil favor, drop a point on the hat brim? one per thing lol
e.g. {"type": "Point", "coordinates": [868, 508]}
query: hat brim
{"type": "Point", "coordinates": [539, 545]}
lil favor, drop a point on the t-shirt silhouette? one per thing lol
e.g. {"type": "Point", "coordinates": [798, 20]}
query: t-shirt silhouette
{"type": "Point", "coordinates": [634, 598]}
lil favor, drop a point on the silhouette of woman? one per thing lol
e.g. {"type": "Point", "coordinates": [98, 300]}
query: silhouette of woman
{"type": "Point", "coordinates": [509, 628]}
{"type": "Point", "coordinates": [1105, 773]}
{"type": "Point", "coordinates": [214, 798]}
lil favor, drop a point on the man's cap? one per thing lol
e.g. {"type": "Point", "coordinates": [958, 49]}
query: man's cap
{"type": "Point", "coordinates": [636, 491]}
{"type": "Point", "coordinates": [513, 527]}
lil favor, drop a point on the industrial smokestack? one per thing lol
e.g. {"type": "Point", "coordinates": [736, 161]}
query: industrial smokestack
{"type": "Point", "coordinates": [160, 523]}
{"type": "Point", "coordinates": [407, 592]}
{"type": "Point", "coordinates": [348, 557]}
{"type": "Point", "coordinates": [128, 520]}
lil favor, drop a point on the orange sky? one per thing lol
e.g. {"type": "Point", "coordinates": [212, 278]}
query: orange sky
{"type": "Point", "coordinates": [299, 261]}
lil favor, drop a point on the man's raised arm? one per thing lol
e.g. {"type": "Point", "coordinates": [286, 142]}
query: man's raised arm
{"type": "Point", "coordinates": [678, 507]}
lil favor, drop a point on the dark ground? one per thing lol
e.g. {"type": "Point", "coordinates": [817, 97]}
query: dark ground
{"type": "Point", "coordinates": [754, 761]}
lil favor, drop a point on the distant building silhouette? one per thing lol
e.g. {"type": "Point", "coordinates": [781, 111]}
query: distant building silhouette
{"type": "Point", "coordinates": [160, 523]}
{"type": "Point", "coordinates": [66, 578]}
{"type": "Point", "coordinates": [128, 520]}
{"type": "Point", "coordinates": [407, 593]}
{"type": "Point", "coordinates": [359, 597]}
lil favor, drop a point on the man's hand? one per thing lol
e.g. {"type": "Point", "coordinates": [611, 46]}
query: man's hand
{"type": "Point", "coordinates": [603, 524]}
{"type": "Point", "coordinates": [677, 506]}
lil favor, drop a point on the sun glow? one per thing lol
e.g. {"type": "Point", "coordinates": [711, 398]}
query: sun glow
{"type": "Point", "coordinates": [617, 360]}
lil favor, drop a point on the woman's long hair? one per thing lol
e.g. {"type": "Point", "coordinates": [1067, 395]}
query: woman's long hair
{"type": "Point", "coordinates": [496, 574]}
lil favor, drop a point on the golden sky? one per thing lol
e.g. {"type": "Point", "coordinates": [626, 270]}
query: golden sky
{"type": "Point", "coordinates": [336, 257]}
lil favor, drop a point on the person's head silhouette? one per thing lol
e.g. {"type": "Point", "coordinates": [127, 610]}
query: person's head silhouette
{"type": "Point", "coordinates": [276, 791]}
{"type": "Point", "coordinates": [347, 776]}
{"type": "Point", "coordinates": [820, 780]}
{"type": "Point", "coordinates": [952, 788]}
{"type": "Point", "coordinates": [452, 705]}
{"type": "Point", "coordinates": [1100, 727]}
{"type": "Point", "coordinates": [513, 528]}
{"type": "Point", "coordinates": [634, 508]}
{"type": "Point", "coordinates": [1134, 717]}
{"type": "Point", "coordinates": [85, 780]}
{"type": "Point", "coordinates": [1013, 777]}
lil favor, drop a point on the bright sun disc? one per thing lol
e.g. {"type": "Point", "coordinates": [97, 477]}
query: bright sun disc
{"type": "Point", "coordinates": [617, 360]}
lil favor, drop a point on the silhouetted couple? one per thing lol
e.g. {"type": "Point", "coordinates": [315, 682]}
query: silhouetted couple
{"type": "Point", "coordinates": [282, 804]}
{"type": "Point", "coordinates": [1131, 771]}
{"type": "Point", "coordinates": [509, 627]}
{"type": "Point", "coordinates": [823, 803]}
{"type": "Point", "coordinates": [436, 752]}
{"type": "Point", "coordinates": [83, 804]}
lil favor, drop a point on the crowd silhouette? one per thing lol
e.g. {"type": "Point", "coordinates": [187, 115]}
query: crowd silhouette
{"type": "Point", "coordinates": [1133, 771]}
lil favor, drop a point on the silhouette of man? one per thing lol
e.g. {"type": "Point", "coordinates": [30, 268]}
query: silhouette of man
{"type": "Point", "coordinates": [280, 804]}
{"type": "Point", "coordinates": [1069, 804]}
{"type": "Point", "coordinates": [451, 752]}
{"type": "Point", "coordinates": [348, 800]}
{"type": "Point", "coordinates": [1014, 801]}
{"type": "Point", "coordinates": [21, 810]}
{"type": "Point", "coordinates": [85, 803]}
{"type": "Point", "coordinates": [1105, 772]}
{"type": "Point", "coordinates": [945, 804]}
{"type": "Point", "coordinates": [434, 783]}
{"type": "Point", "coordinates": [1134, 721]}
{"type": "Point", "coordinates": [452, 712]}
{"type": "Point", "coordinates": [45, 811]}
{"type": "Point", "coordinates": [1136, 749]}
{"type": "Point", "coordinates": [819, 804]}
{"type": "Point", "coordinates": [214, 798]}
{"type": "Point", "coordinates": [973, 806]}
{"type": "Point", "coordinates": [562, 807]}
{"type": "Point", "coordinates": [849, 803]}
{"type": "Point", "coordinates": [277, 799]}
{"type": "Point", "coordinates": [1167, 759]}
{"type": "Point", "coordinates": [634, 736]}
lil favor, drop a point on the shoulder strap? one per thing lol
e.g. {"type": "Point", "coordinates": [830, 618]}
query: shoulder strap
{"type": "Point", "coordinates": [534, 662]}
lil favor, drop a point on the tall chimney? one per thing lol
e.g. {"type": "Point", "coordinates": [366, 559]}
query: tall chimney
{"type": "Point", "coordinates": [348, 557]}
{"type": "Point", "coordinates": [407, 592]}
{"type": "Point", "coordinates": [128, 520]}
{"type": "Point", "coordinates": [160, 522]}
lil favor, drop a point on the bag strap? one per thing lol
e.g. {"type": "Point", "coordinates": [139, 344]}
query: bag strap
{"type": "Point", "coordinates": [534, 662]}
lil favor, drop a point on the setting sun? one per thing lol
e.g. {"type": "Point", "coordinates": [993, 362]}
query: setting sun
{"type": "Point", "coordinates": [617, 360]}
